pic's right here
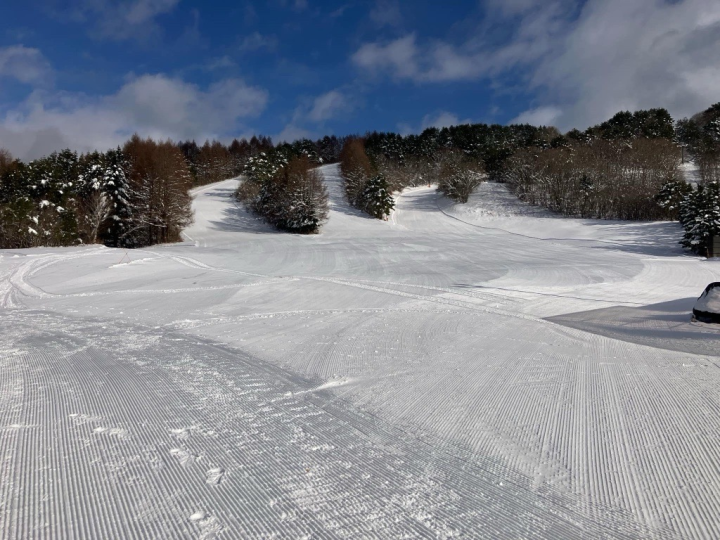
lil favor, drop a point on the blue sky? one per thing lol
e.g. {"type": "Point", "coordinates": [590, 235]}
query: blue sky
{"type": "Point", "coordinates": [88, 73]}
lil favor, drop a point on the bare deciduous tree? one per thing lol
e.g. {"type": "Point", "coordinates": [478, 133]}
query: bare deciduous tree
{"type": "Point", "coordinates": [160, 181]}
{"type": "Point", "coordinates": [602, 179]}
{"type": "Point", "coordinates": [356, 169]}
{"type": "Point", "coordinates": [458, 177]}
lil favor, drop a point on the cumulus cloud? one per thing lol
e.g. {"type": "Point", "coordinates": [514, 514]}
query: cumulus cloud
{"type": "Point", "coordinates": [318, 111]}
{"type": "Point", "coordinates": [437, 61]}
{"type": "Point", "coordinates": [585, 61]}
{"type": "Point", "coordinates": [292, 132]}
{"type": "Point", "coordinates": [328, 106]}
{"type": "Point", "coordinates": [152, 105]}
{"type": "Point", "coordinates": [439, 119]}
{"type": "Point", "coordinates": [442, 119]}
{"type": "Point", "coordinates": [400, 57]}
{"type": "Point", "coordinates": [542, 116]}
{"type": "Point", "coordinates": [25, 65]}
{"type": "Point", "coordinates": [632, 55]}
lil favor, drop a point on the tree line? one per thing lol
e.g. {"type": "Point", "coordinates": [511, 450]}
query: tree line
{"type": "Point", "coordinates": [132, 196]}
{"type": "Point", "coordinates": [214, 161]}
{"type": "Point", "coordinates": [625, 168]}
{"type": "Point", "coordinates": [137, 195]}
{"type": "Point", "coordinates": [456, 158]}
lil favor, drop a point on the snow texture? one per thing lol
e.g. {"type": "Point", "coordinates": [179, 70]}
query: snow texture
{"type": "Point", "coordinates": [479, 371]}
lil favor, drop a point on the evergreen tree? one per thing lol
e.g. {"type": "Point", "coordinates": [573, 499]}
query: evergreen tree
{"type": "Point", "coordinates": [376, 198]}
{"type": "Point", "coordinates": [116, 186]}
{"type": "Point", "coordinates": [700, 216]}
{"type": "Point", "coordinates": [672, 195]}
{"type": "Point", "coordinates": [293, 199]}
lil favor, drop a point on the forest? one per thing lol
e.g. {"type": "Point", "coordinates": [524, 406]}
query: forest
{"type": "Point", "coordinates": [627, 168]}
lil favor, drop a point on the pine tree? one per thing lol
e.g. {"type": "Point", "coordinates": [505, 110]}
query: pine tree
{"type": "Point", "coordinates": [672, 195]}
{"type": "Point", "coordinates": [116, 186]}
{"type": "Point", "coordinates": [700, 216]}
{"type": "Point", "coordinates": [294, 199]}
{"type": "Point", "coordinates": [376, 198]}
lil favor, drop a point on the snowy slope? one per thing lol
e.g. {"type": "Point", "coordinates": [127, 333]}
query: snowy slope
{"type": "Point", "coordinates": [442, 374]}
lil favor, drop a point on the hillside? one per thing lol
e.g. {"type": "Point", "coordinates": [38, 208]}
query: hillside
{"type": "Point", "coordinates": [487, 371]}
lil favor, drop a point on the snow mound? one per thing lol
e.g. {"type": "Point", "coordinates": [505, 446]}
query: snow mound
{"type": "Point", "coordinates": [707, 308]}
{"type": "Point", "coordinates": [132, 262]}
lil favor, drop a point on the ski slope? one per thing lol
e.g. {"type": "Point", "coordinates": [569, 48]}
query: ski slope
{"type": "Point", "coordinates": [478, 371]}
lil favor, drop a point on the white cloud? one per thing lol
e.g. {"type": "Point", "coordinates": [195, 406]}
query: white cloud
{"type": "Point", "coordinates": [318, 110]}
{"type": "Point", "coordinates": [220, 63]}
{"type": "Point", "coordinates": [439, 119]}
{"type": "Point", "coordinates": [632, 55]}
{"type": "Point", "coordinates": [119, 20]}
{"type": "Point", "coordinates": [442, 119]}
{"type": "Point", "coordinates": [399, 57]}
{"type": "Point", "coordinates": [292, 133]}
{"type": "Point", "coordinates": [386, 13]}
{"type": "Point", "coordinates": [152, 105]}
{"type": "Point", "coordinates": [141, 11]}
{"type": "Point", "coordinates": [542, 116]}
{"type": "Point", "coordinates": [590, 59]}
{"type": "Point", "coordinates": [438, 61]}
{"type": "Point", "coordinates": [24, 64]}
{"type": "Point", "coordinates": [256, 42]}
{"type": "Point", "coordinates": [328, 106]}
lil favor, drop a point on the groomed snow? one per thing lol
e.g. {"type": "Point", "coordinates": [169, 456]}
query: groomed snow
{"type": "Point", "coordinates": [485, 371]}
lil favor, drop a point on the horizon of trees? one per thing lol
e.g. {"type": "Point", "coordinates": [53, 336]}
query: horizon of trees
{"type": "Point", "coordinates": [622, 168]}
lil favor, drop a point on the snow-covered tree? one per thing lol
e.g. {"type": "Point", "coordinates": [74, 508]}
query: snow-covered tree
{"type": "Point", "coordinates": [459, 177]}
{"type": "Point", "coordinates": [672, 195]}
{"type": "Point", "coordinates": [294, 199]}
{"type": "Point", "coordinates": [356, 169]}
{"type": "Point", "coordinates": [700, 216]}
{"type": "Point", "coordinates": [376, 198]}
{"type": "Point", "coordinates": [117, 189]}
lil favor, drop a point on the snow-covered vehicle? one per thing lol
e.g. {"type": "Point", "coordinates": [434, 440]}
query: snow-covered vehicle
{"type": "Point", "coordinates": [707, 308]}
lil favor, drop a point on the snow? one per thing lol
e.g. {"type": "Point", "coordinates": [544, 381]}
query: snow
{"type": "Point", "coordinates": [691, 173]}
{"type": "Point", "coordinates": [487, 370]}
{"type": "Point", "coordinates": [494, 206]}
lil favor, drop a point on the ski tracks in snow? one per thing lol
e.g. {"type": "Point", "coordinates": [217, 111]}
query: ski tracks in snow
{"type": "Point", "coordinates": [204, 442]}
{"type": "Point", "coordinates": [390, 380]}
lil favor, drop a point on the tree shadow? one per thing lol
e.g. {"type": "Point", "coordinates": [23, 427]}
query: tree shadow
{"type": "Point", "coordinates": [667, 325]}
{"type": "Point", "coordinates": [235, 218]}
{"type": "Point", "coordinates": [658, 239]}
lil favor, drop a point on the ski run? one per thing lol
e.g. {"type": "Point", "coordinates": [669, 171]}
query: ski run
{"type": "Point", "coordinates": [486, 370]}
